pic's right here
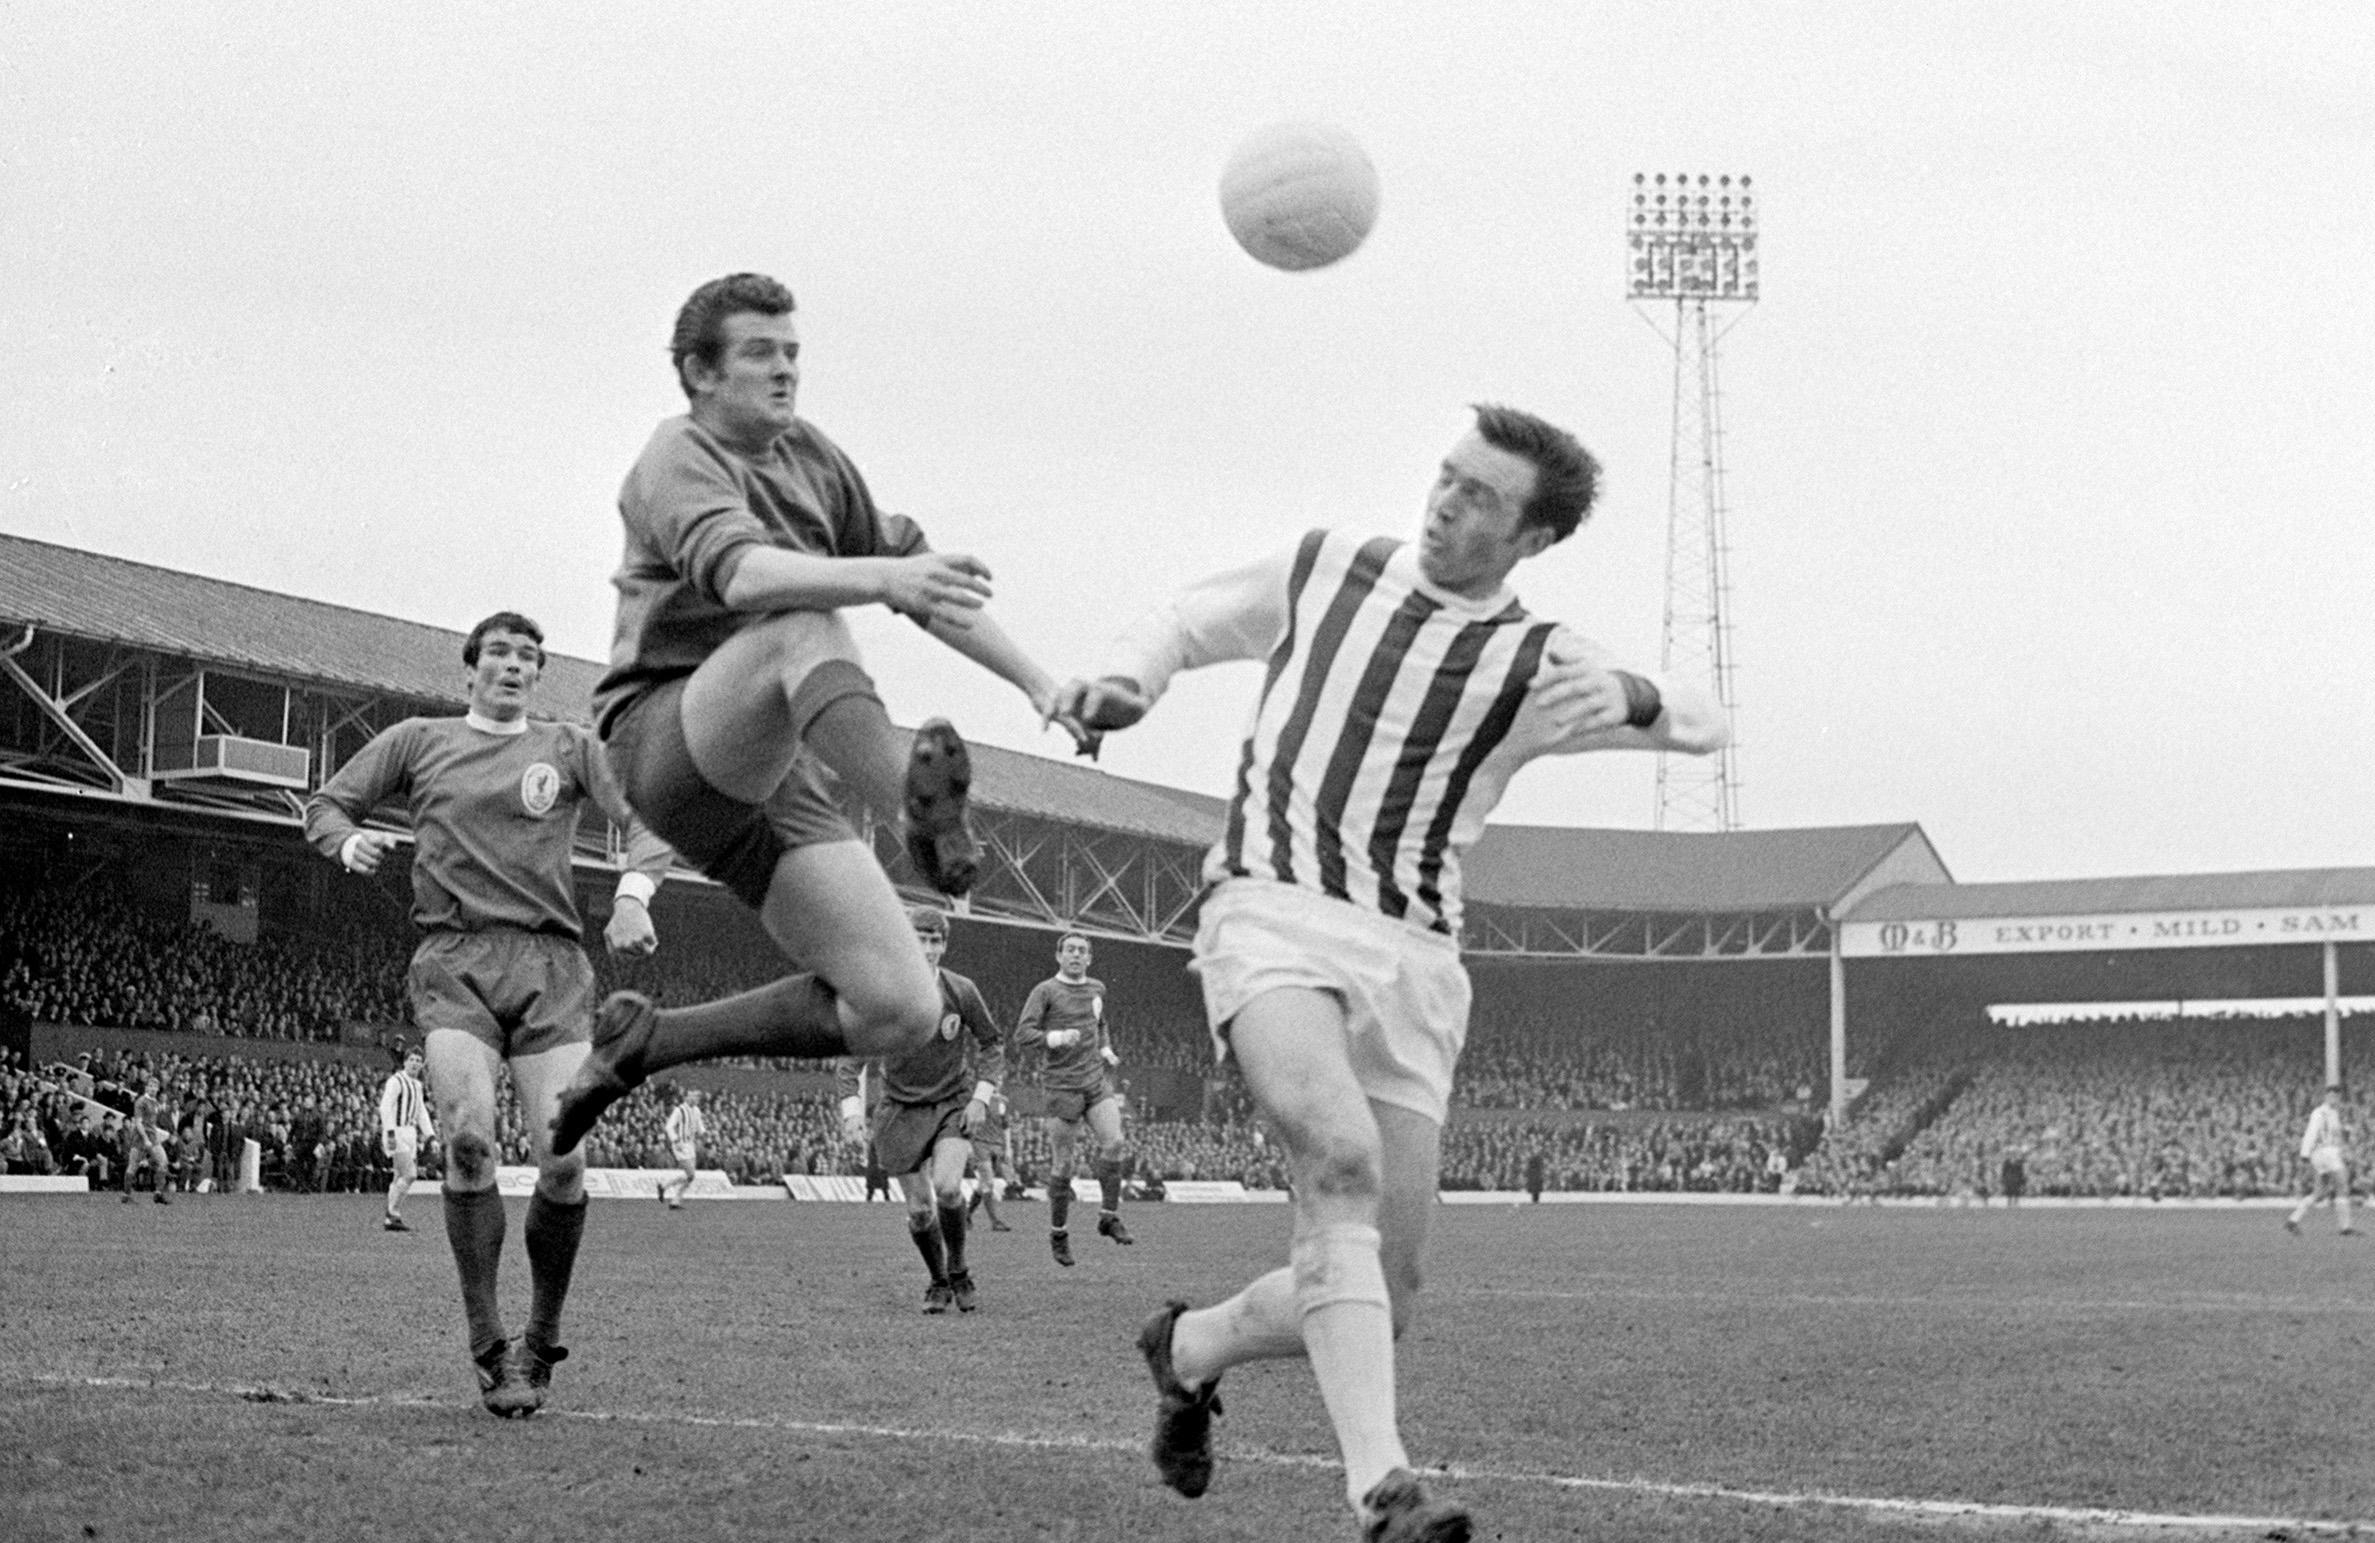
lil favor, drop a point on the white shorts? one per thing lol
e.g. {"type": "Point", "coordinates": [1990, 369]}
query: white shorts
{"type": "Point", "coordinates": [2326, 1160]}
{"type": "Point", "coordinates": [405, 1146]}
{"type": "Point", "coordinates": [685, 1154]}
{"type": "Point", "coordinates": [1404, 991]}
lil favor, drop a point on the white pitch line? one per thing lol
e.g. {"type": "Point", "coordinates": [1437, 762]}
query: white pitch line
{"type": "Point", "coordinates": [2024, 1305]}
{"type": "Point", "coordinates": [1930, 1510]}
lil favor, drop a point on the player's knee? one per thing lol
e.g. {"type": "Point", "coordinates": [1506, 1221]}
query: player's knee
{"type": "Point", "coordinates": [562, 1178]}
{"type": "Point", "coordinates": [895, 1013]}
{"type": "Point", "coordinates": [473, 1157]}
{"type": "Point", "coordinates": [1339, 1165]}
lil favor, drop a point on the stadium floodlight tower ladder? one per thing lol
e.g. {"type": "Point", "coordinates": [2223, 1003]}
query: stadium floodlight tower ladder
{"type": "Point", "coordinates": [1692, 240]}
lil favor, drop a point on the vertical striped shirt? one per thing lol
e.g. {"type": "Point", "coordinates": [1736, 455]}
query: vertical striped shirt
{"type": "Point", "coordinates": [1392, 715]}
{"type": "Point", "coordinates": [402, 1106]}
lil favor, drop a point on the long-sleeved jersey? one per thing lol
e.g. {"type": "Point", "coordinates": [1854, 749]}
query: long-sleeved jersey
{"type": "Point", "coordinates": [1055, 1005]}
{"type": "Point", "coordinates": [1392, 715]}
{"type": "Point", "coordinates": [964, 1053]}
{"type": "Point", "coordinates": [693, 507]}
{"type": "Point", "coordinates": [2323, 1131]}
{"type": "Point", "coordinates": [403, 1105]}
{"type": "Point", "coordinates": [686, 1126]}
{"type": "Point", "coordinates": [494, 818]}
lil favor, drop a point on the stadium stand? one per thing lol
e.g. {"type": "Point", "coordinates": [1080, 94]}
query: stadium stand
{"type": "Point", "coordinates": [1653, 1010]}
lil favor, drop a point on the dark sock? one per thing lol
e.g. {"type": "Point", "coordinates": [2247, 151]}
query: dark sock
{"type": "Point", "coordinates": [795, 1016]}
{"type": "Point", "coordinates": [1109, 1184]}
{"type": "Point", "coordinates": [474, 1225]}
{"type": "Point", "coordinates": [1059, 1204]}
{"type": "Point", "coordinates": [840, 717]}
{"type": "Point", "coordinates": [553, 1232]}
{"type": "Point", "coordinates": [952, 1237]}
{"type": "Point", "coordinates": [926, 1235]}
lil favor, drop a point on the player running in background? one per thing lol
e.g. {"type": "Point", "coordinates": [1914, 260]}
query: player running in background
{"type": "Point", "coordinates": [993, 1162]}
{"type": "Point", "coordinates": [934, 1098]}
{"type": "Point", "coordinates": [1065, 1015]}
{"type": "Point", "coordinates": [733, 678]}
{"type": "Point", "coordinates": [686, 1127]}
{"type": "Point", "coordinates": [404, 1125]}
{"type": "Point", "coordinates": [145, 1143]}
{"type": "Point", "coordinates": [1404, 685]}
{"type": "Point", "coordinates": [2325, 1143]}
{"type": "Point", "coordinates": [500, 975]}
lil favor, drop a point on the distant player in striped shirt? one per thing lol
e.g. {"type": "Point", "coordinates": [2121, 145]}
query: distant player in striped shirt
{"type": "Point", "coordinates": [403, 1125]}
{"type": "Point", "coordinates": [1065, 1016]}
{"type": "Point", "coordinates": [500, 975]}
{"type": "Point", "coordinates": [686, 1127]}
{"type": "Point", "coordinates": [2326, 1144]}
{"type": "Point", "coordinates": [1403, 686]}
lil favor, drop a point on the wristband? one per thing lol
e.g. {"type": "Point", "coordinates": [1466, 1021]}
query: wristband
{"type": "Point", "coordinates": [1642, 702]}
{"type": "Point", "coordinates": [637, 887]}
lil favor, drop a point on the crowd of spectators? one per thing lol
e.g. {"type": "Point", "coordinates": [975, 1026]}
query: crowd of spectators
{"type": "Point", "coordinates": [86, 957]}
{"type": "Point", "coordinates": [315, 1123]}
{"type": "Point", "coordinates": [1734, 1154]}
{"type": "Point", "coordinates": [2138, 1107]}
{"type": "Point", "coordinates": [2143, 1107]}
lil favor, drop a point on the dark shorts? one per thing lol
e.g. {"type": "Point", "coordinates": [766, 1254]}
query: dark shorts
{"type": "Point", "coordinates": [905, 1134]}
{"type": "Point", "coordinates": [518, 993]}
{"type": "Point", "coordinates": [733, 842]}
{"type": "Point", "coordinates": [1073, 1105]}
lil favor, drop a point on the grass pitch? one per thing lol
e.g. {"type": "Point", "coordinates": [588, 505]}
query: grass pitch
{"type": "Point", "coordinates": [278, 1367]}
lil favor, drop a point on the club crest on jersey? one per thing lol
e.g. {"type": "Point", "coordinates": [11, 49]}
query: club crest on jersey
{"type": "Point", "coordinates": [540, 788]}
{"type": "Point", "coordinates": [950, 1025]}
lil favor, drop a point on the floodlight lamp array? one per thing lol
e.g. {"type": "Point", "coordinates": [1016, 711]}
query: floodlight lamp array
{"type": "Point", "coordinates": [1692, 238]}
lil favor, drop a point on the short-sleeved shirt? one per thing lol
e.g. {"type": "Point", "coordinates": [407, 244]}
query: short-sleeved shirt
{"type": "Point", "coordinates": [693, 507]}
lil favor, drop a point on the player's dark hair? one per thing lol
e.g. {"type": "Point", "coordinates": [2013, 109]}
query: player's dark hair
{"type": "Point", "coordinates": [701, 324]}
{"type": "Point", "coordinates": [1566, 476]}
{"type": "Point", "coordinates": [928, 919]}
{"type": "Point", "coordinates": [501, 621]}
{"type": "Point", "coordinates": [1069, 936]}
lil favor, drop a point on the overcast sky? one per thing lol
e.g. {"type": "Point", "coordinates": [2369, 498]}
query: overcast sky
{"type": "Point", "coordinates": [2048, 447]}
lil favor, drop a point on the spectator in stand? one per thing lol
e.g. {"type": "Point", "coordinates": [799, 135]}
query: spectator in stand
{"type": "Point", "coordinates": [26, 1150]}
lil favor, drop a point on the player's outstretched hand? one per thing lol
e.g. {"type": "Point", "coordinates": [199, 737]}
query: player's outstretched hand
{"type": "Point", "coordinates": [629, 930]}
{"type": "Point", "coordinates": [1102, 705]}
{"type": "Point", "coordinates": [944, 587]}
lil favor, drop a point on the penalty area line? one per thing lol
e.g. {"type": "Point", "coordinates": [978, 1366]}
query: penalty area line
{"type": "Point", "coordinates": [1991, 1513]}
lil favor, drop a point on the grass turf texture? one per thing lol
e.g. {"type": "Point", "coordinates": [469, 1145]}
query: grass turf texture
{"type": "Point", "coordinates": [277, 1367]}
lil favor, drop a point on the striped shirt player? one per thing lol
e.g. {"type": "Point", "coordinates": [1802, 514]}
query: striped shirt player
{"type": "Point", "coordinates": [1064, 1016]}
{"type": "Point", "coordinates": [2325, 1144]}
{"type": "Point", "coordinates": [403, 1125]}
{"type": "Point", "coordinates": [686, 1125]}
{"type": "Point", "coordinates": [1403, 685]}
{"type": "Point", "coordinates": [928, 1103]}
{"type": "Point", "coordinates": [500, 974]}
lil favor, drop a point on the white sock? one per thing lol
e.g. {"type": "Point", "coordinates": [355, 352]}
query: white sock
{"type": "Point", "coordinates": [1260, 1323]}
{"type": "Point", "coordinates": [1348, 1332]}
